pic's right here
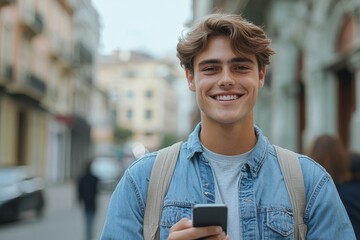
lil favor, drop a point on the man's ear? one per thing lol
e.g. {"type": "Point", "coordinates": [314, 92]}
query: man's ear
{"type": "Point", "coordinates": [262, 74]}
{"type": "Point", "coordinates": [190, 79]}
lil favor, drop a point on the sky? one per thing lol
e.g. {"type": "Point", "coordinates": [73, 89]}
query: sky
{"type": "Point", "coordinates": [150, 26]}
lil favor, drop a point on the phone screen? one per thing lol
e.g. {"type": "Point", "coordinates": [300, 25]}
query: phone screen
{"type": "Point", "coordinates": [210, 215]}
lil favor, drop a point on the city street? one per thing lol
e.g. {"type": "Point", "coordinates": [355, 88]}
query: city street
{"type": "Point", "coordinates": [62, 219]}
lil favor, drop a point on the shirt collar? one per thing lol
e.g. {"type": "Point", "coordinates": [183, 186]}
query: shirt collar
{"type": "Point", "coordinates": [256, 157]}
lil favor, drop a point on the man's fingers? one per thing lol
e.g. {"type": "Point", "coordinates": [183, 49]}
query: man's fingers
{"type": "Point", "coordinates": [184, 230]}
{"type": "Point", "coordinates": [182, 224]}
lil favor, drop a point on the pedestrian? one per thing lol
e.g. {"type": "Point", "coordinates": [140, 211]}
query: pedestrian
{"type": "Point", "coordinates": [329, 151]}
{"type": "Point", "coordinates": [87, 192]}
{"type": "Point", "coordinates": [227, 159]}
{"type": "Point", "coordinates": [355, 165]}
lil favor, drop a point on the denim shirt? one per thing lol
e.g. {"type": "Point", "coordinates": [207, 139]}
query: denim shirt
{"type": "Point", "coordinates": [265, 209]}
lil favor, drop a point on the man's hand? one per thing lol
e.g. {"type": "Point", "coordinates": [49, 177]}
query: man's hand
{"type": "Point", "coordinates": [184, 230]}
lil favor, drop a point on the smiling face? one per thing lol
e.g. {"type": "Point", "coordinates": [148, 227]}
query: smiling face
{"type": "Point", "coordinates": [226, 83]}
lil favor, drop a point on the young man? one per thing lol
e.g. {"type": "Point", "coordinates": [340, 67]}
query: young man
{"type": "Point", "coordinates": [227, 159]}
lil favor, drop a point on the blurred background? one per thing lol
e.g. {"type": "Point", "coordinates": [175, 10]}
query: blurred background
{"type": "Point", "coordinates": [99, 80]}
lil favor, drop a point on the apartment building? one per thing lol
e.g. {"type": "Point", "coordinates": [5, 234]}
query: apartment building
{"type": "Point", "coordinates": [86, 37]}
{"type": "Point", "coordinates": [44, 120]}
{"type": "Point", "coordinates": [23, 60]}
{"type": "Point", "coordinates": [143, 95]}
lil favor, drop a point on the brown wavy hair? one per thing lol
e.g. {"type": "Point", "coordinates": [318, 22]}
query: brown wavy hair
{"type": "Point", "coordinates": [245, 37]}
{"type": "Point", "coordinates": [329, 151]}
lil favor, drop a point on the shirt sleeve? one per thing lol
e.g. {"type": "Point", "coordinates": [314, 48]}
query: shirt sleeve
{"type": "Point", "coordinates": [124, 219]}
{"type": "Point", "coordinates": [325, 214]}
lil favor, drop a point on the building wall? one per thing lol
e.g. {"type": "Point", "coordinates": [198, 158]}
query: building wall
{"type": "Point", "coordinates": [86, 35]}
{"type": "Point", "coordinates": [102, 124]}
{"type": "Point", "coordinates": [313, 33]}
{"type": "Point", "coordinates": [23, 129]}
{"type": "Point", "coordinates": [61, 75]}
{"type": "Point", "coordinates": [7, 130]}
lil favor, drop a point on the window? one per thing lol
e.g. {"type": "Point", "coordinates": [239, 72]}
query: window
{"type": "Point", "coordinates": [148, 114]}
{"type": "Point", "coordinates": [149, 134]}
{"type": "Point", "coordinates": [129, 113]}
{"type": "Point", "coordinates": [149, 94]}
{"type": "Point", "coordinates": [25, 55]}
{"type": "Point", "coordinates": [130, 94]}
{"type": "Point", "coordinates": [6, 44]}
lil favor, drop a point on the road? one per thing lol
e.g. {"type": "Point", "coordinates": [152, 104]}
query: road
{"type": "Point", "coordinates": [63, 218]}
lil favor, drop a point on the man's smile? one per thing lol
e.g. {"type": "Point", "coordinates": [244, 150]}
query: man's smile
{"type": "Point", "coordinates": [227, 97]}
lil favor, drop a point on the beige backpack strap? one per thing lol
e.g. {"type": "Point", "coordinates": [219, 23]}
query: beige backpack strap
{"type": "Point", "coordinates": [161, 174]}
{"type": "Point", "coordinates": [291, 170]}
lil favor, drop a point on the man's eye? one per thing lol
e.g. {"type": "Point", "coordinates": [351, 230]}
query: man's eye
{"type": "Point", "coordinates": [241, 68]}
{"type": "Point", "coordinates": [209, 69]}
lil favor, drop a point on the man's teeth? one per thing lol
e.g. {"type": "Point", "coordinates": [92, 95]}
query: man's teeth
{"type": "Point", "coordinates": [227, 97]}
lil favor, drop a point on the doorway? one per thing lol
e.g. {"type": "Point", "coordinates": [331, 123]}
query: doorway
{"type": "Point", "coordinates": [346, 103]}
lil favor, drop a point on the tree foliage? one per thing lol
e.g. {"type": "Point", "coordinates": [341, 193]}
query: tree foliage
{"type": "Point", "coordinates": [121, 135]}
{"type": "Point", "coordinates": [169, 139]}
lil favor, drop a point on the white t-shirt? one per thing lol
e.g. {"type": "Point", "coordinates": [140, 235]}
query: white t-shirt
{"type": "Point", "coordinates": [226, 170]}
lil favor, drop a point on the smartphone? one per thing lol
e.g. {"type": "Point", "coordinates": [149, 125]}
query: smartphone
{"type": "Point", "coordinates": [210, 215]}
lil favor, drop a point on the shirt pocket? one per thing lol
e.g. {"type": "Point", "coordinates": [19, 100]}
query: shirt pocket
{"type": "Point", "coordinates": [173, 211]}
{"type": "Point", "coordinates": [279, 224]}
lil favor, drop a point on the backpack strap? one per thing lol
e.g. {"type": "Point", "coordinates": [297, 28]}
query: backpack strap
{"type": "Point", "coordinates": [161, 174]}
{"type": "Point", "coordinates": [294, 181]}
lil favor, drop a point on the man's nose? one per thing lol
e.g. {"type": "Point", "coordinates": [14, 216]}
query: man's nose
{"type": "Point", "coordinates": [226, 79]}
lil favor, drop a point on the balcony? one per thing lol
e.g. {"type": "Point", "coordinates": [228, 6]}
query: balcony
{"type": "Point", "coordinates": [67, 57]}
{"type": "Point", "coordinates": [35, 83]}
{"type": "Point", "coordinates": [28, 85]}
{"type": "Point", "coordinates": [56, 46]}
{"type": "Point", "coordinates": [31, 21]}
{"type": "Point", "coordinates": [6, 74]}
{"type": "Point", "coordinates": [61, 52]}
{"type": "Point", "coordinates": [84, 54]}
{"type": "Point", "coordinates": [3, 3]}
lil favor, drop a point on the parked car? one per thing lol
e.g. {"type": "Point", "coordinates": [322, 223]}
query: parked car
{"type": "Point", "coordinates": [108, 171]}
{"type": "Point", "coordinates": [20, 191]}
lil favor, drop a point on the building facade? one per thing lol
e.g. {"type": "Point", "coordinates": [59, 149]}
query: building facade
{"type": "Point", "coordinates": [42, 107]}
{"type": "Point", "coordinates": [86, 37]}
{"type": "Point", "coordinates": [143, 93]}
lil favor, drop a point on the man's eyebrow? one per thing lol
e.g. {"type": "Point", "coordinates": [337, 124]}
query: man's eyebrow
{"type": "Point", "coordinates": [209, 61]}
{"type": "Point", "coordinates": [233, 60]}
{"type": "Point", "coordinates": [241, 59]}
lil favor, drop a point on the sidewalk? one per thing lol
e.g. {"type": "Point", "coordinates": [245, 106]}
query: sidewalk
{"type": "Point", "coordinates": [63, 217]}
{"type": "Point", "coordinates": [62, 198]}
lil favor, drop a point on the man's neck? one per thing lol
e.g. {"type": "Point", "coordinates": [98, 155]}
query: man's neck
{"type": "Point", "coordinates": [228, 139]}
